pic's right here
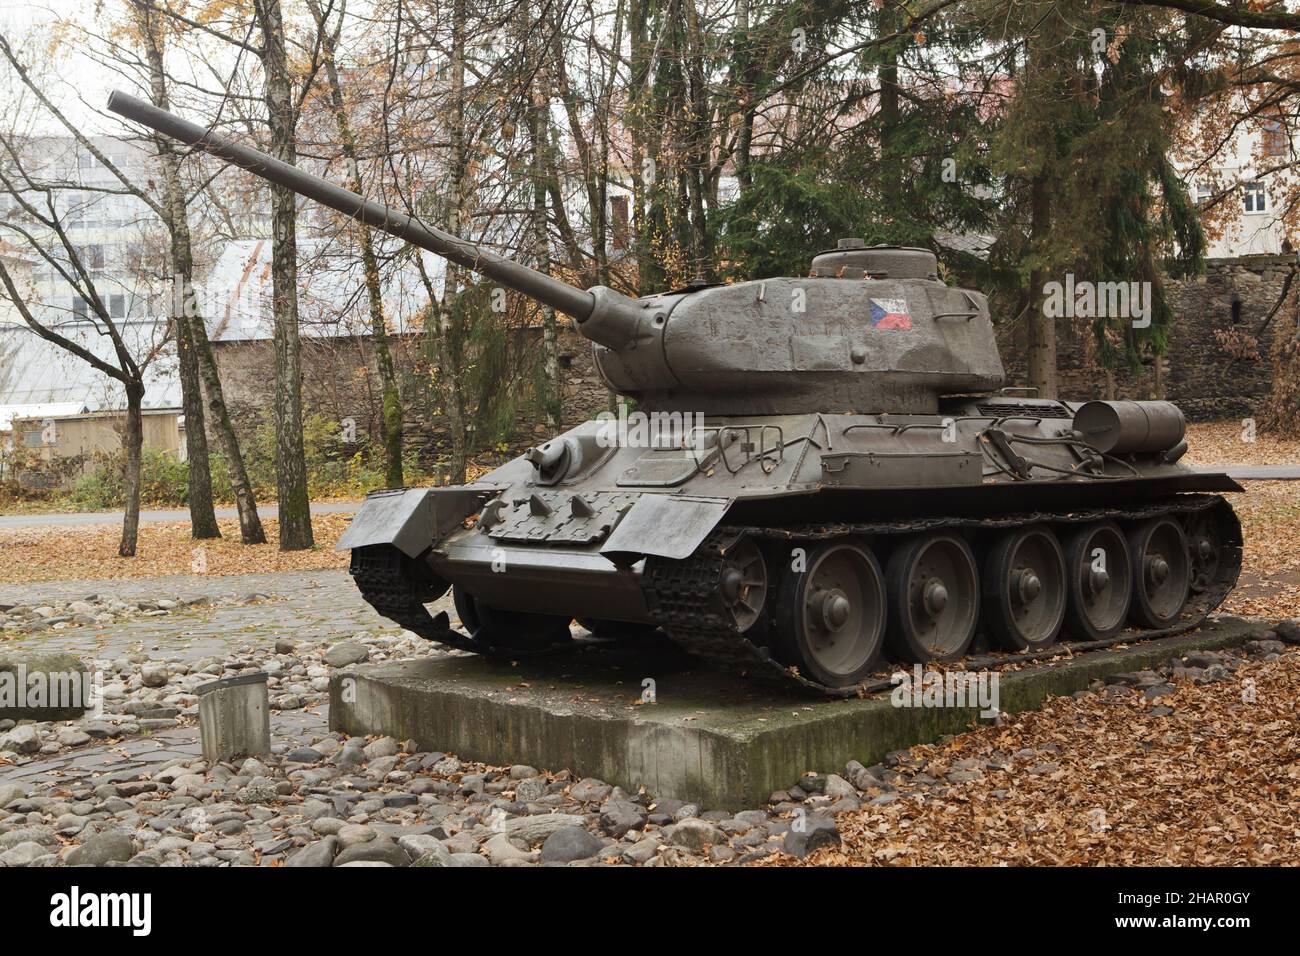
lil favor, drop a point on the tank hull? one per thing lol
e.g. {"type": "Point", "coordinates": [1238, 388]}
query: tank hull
{"type": "Point", "coordinates": [604, 522]}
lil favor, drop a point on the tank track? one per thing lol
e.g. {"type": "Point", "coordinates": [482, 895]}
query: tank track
{"type": "Point", "coordinates": [683, 595]}
{"type": "Point", "coordinates": [388, 583]}
{"type": "Point", "coordinates": [398, 588]}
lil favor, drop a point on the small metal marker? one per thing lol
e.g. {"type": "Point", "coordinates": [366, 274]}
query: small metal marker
{"type": "Point", "coordinates": [234, 718]}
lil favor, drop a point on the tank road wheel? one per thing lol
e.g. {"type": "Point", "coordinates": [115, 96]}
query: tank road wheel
{"type": "Point", "coordinates": [1100, 583]}
{"type": "Point", "coordinates": [742, 583]}
{"type": "Point", "coordinates": [932, 583]}
{"type": "Point", "coordinates": [1024, 588]}
{"type": "Point", "coordinates": [1157, 550]}
{"type": "Point", "coordinates": [509, 632]}
{"type": "Point", "coordinates": [1205, 545]}
{"type": "Point", "coordinates": [830, 616]}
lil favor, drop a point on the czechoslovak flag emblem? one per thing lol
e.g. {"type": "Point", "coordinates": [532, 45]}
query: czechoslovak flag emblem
{"type": "Point", "coordinates": [890, 314]}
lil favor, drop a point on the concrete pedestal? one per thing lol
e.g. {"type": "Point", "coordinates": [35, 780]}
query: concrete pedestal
{"type": "Point", "coordinates": [708, 738]}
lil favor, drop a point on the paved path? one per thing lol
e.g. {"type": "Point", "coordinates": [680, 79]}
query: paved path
{"type": "Point", "coordinates": [69, 518]}
{"type": "Point", "coordinates": [1256, 472]}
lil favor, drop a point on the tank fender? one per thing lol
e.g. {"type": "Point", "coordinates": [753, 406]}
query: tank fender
{"type": "Point", "coordinates": [412, 519]}
{"type": "Point", "coordinates": [668, 526]}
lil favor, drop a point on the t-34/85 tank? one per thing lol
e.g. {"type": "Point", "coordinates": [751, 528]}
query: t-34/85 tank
{"type": "Point", "coordinates": [820, 472]}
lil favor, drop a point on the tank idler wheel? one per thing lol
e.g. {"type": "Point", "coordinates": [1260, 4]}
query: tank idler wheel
{"type": "Point", "coordinates": [932, 584]}
{"type": "Point", "coordinates": [742, 583]}
{"type": "Point", "coordinates": [1205, 545]}
{"type": "Point", "coordinates": [1161, 571]}
{"type": "Point", "coordinates": [1100, 582]}
{"type": "Point", "coordinates": [509, 632]}
{"type": "Point", "coordinates": [830, 613]}
{"type": "Point", "coordinates": [1024, 588]}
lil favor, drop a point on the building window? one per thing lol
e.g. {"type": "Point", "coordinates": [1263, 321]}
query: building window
{"type": "Point", "coordinates": [117, 306]}
{"type": "Point", "coordinates": [80, 308]}
{"type": "Point", "coordinates": [1204, 193]}
{"type": "Point", "coordinates": [1274, 138]}
{"type": "Point", "coordinates": [1254, 198]}
{"type": "Point", "coordinates": [92, 256]}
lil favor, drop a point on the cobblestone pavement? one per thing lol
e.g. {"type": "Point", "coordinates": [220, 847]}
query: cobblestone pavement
{"type": "Point", "coordinates": [312, 611]}
{"type": "Point", "coordinates": [132, 788]}
{"type": "Point", "coordinates": [319, 606]}
{"type": "Point", "coordinates": [129, 758]}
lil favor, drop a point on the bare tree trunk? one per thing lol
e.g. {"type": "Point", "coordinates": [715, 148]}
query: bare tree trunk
{"type": "Point", "coordinates": [645, 144]}
{"type": "Point", "coordinates": [250, 525]}
{"type": "Point", "coordinates": [891, 20]}
{"type": "Point", "coordinates": [1284, 399]}
{"type": "Point", "coordinates": [203, 518]}
{"type": "Point", "coordinates": [1282, 406]}
{"type": "Point", "coordinates": [745, 135]}
{"type": "Point", "coordinates": [1041, 328]}
{"type": "Point", "coordinates": [695, 93]}
{"type": "Point", "coordinates": [189, 320]}
{"type": "Point", "coordinates": [454, 399]}
{"type": "Point", "coordinates": [391, 421]}
{"type": "Point", "coordinates": [290, 464]}
{"type": "Point", "coordinates": [539, 136]}
{"type": "Point", "coordinates": [133, 443]}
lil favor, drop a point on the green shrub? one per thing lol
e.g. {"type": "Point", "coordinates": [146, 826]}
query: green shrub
{"type": "Point", "coordinates": [334, 470]}
{"type": "Point", "coordinates": [98, 491]}
{"type": "Point", "coordinates": [163, 482]}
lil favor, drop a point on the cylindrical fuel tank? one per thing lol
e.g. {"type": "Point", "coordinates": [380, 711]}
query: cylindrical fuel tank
{"type": "Point", "coordinates": [1124, 428]}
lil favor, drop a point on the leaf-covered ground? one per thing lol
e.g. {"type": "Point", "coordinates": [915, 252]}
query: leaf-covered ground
{"type": "Point", "coordinates": [1222, 443]}
{"type": "Point", "coordinates": [90, 552]}
{"type": "Point", "coordinates": [1270, 525]}
{"type": "Point", "coordinates": [1105, 781]}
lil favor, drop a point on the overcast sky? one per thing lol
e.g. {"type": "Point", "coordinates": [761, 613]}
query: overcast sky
{"type": "Point", "coordinates": [82, 80]}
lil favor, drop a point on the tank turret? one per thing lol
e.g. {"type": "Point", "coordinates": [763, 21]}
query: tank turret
{"type": "Point", "coordinates": [869, 329]}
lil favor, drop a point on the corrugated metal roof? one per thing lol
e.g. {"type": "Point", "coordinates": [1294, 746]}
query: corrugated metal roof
{"type": "Point", "coordinates": [236, 304]}
{"type": "Point", "coordinates": [37, 373]}
{"type": "Point", "coordinates": [49, 410]}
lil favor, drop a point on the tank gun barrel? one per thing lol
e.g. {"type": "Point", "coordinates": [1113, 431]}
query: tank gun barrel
{"type": "Point", "coordinates": [603, 315]}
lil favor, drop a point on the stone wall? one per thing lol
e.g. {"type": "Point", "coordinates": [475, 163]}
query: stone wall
{"type": "Point", "coordinates": [340, 381]}
{"type": "Point", "coordinates": [1203, 371]}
